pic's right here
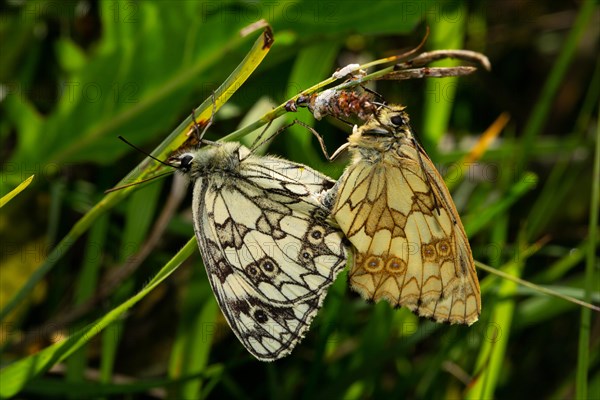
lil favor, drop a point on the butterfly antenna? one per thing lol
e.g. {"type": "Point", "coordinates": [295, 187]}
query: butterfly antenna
{"type": "Point", "coordinates": [374, 93]}
{"type": "Point", "coordinates": [137, 183]}
{"type": "Point", "coordinates": [380, 106]}
{"type": "Point", "coordinates": [144, 152]}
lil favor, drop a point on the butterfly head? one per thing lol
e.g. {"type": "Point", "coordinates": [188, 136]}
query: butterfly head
{"type": "Point", "coordinates": [395, 120]}
{"type": "Point", "coordinates": [217, 158]}
{"type": "Point", "coordinates": [183, 162]}
{"type": "Point", "coordinates": [387, 127]}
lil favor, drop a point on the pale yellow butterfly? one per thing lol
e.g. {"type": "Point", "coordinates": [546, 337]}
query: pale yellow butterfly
{"type": "Point", "coordinates": [410, 246]}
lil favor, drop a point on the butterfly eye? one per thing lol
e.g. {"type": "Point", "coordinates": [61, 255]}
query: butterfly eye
{"type": "Point", "coordinates": [397, 120]}
{"type": "Point", "coordinates": [185, 162]}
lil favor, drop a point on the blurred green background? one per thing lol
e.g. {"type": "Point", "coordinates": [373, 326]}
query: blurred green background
{"type": "Point", "coordinates": [76, 74]}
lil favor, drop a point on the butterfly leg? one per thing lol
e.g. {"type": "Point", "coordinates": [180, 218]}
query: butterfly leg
{"type": "Point", "coordinates": [196, 127]}
{"type": "Point", "coordinates": [256, 144]}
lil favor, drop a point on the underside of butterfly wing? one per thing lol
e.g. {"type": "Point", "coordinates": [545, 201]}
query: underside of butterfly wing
{"type": "Point", "coordinates": [410, 246]}
{"type": "Point", "coordinates": [269, 250]}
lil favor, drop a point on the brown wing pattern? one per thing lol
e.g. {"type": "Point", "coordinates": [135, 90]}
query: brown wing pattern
{"type": "Point", "coordinates": [411, 248]}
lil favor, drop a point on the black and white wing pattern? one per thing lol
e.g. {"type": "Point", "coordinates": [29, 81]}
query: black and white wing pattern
{"type": "Point", "coordinates": [269, 246]}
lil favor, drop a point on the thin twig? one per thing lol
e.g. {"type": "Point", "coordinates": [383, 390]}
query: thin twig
{"type": "Point", "coordinates": [535, 287]}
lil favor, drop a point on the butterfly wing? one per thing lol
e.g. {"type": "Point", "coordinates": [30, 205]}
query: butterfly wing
{"type": "Point", "coordinates": [411, 248]}
{"type": "Point", "coordinates": [464, 306]}
{"type": "Point", "coordinates": [269, 250]}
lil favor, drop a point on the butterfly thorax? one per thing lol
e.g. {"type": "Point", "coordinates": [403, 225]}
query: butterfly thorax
{"type": "Point", "coordinates": [217, 161]}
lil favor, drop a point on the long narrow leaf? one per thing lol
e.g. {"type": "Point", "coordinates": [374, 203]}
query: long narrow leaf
{"type": "Point", "coordinates": [22, 186]}
{"type": "Point", "coordinates": [586, 315]}
{"type": "Point", "coordinates": [15, 376]}
{"type": "Point", "coordinates": [225, 91]}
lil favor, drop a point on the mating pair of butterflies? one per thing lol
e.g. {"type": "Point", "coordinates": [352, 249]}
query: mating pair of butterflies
{"type": "Point", "coordinates": [272, 234]}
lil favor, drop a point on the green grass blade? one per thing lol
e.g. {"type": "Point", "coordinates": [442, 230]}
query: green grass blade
{"type": "Point", "coordinates": [175, 139]}
{"type": "Point", "coordinates": [558, 186]}
{"type": "Point", "coordinates": [540, 112]}
{"type": "Point", "coordinates": [15, 376]}
{"type": "Point", "coordinates": [141, 208]}
{"type": "Point", "coordinates": [581, 385]}
{"type": "Point", "coordinates": [492, 353]}
{"type": "Point", "coordinates": [475, 222]}
{"type": "Point", "coordinates": [446, 33]}
{"type": "Point", "coordinates": [329, 320]}
{"type": "Point", "coordinates": [561, 267]}
{"type": "Point", "coordinates": [304, 73]}
{"type": "Point", "coordinates": [85, 287]}
{"type": "Point", "coordinates": [194, 336]}
{"type": "Point", "coordinates": [200, 342]}
{"type": "Point", "coordinates": [499, 235]}
{"type": "Point", "coordinates": [59, 250]}
{"type": "Point", "coordinates": [203, 113]}
{"type": "Point", "coordinates": [9, 196]}
{"type": "Point", "coordinates": [52, 387]}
